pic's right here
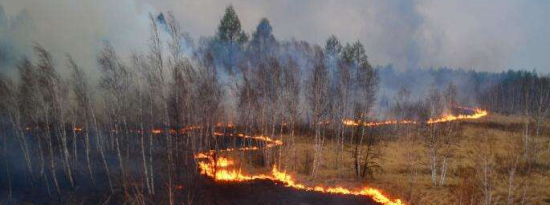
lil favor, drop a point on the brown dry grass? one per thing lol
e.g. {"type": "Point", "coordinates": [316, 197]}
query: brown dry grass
{"type": "Point", "coordinates": [504, 136]}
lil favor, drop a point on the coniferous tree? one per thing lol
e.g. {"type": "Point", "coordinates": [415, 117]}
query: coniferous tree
{"type": "Point", "coordinates": [229, 30]}
{"type": "Point", "coordinates": [229, 41]}
{"type": "Point", "coordinates": [263, 43]}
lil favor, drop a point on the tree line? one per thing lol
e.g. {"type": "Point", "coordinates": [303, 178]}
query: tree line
{"type": "Point", "coordinates": [135, 132]}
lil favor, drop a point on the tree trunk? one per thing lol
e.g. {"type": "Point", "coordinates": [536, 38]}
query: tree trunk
{"type": "Point", "coordinates": [99, 145]}
{"type": "Point", "coordinates": [87, 142]}
{"type": "Point", "coordinates": [6, 164]}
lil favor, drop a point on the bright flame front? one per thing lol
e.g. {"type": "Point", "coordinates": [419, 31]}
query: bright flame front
{"type": "Point", "coordinates": [219, 168]}
{"type": "Point", "coordinates": [478, 113]}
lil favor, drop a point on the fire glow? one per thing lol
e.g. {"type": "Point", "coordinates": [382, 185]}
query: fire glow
{"type": "Point", "coordinates": [220, 168]}
{"type": "Point", "coordinates": [478, 113]}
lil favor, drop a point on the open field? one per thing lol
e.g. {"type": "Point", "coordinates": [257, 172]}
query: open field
{"type": "Point", "coordinates": [243, 102]}
{"type": "Point", "coordinates": [405, 172]}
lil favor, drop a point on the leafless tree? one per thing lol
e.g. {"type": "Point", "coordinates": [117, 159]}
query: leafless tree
{"type": "Point", "coordinates": [363, 89]}
{"type": "Point", "coordinates": [52, 88]}
{"type": "Point", "coordinates": [147, 108]}
{"type": "Point", "coordinates": [291, 101]}
{"type": "Point", "coordinates": [116, 83]}
{"type": "Point", "coordinates": [7, 92]}
{"type": "Point", "coordinates": [484, 153]}
{"type": "Point", "coordinates": [340, 91]}
{"type": "Point", "coordinates": [402, 103]}
{"type": "Point", "coordinates": [248, 101]}
{"type": "Point", "coordinates": [512, 164]}
{"type": "Point", "coordinates": [438, 139]}
{"type": "Point", "coordinates": [451, 95]}
{"type": "Point", "coordinates": [82, 97]}
{"type": "Point", "coordinates": [317, 86]}
{"type": "Point", "coordinates": [180, 87]}
{"type": "Point", "coordinates": [28, 95]}
{"type": "Point", "coordinates": [157, 64]}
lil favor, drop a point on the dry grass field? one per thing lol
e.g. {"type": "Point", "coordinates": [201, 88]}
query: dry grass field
{"type": "Point", "coordinates": [484, 153]}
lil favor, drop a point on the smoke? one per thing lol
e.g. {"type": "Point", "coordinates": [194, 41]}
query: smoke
{"type": "Point", "coordinates": [484, 35]}
{"type": "Point", "coordinates": [71, 27]}
{"type": "Point", "coordinates": [13, 36]}
{"type": "Point", "coordinates": [487, 35]}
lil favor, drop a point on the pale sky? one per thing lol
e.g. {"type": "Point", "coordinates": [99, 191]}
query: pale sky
{"type": "Point", "coordinates": [485, 35]}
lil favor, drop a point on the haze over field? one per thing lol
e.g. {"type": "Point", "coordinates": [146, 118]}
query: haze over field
{"type": "Point", "coordinates": [381, 102]}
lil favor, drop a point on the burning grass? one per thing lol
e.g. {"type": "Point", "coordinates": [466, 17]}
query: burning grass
{"type": "Point", "coordinates": [395, 176]}
{"type": "Point", "coordinates": [418, 189]}
{"type": "Point", "coordinates": [221, 168]}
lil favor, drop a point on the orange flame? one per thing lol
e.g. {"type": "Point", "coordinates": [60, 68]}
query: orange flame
{"type": "Point", "coordinates": [219, 169]}
{"type": "Point", "coordinates": [478, 113]}
{"type": "Point", "coordinates": [157, 131]}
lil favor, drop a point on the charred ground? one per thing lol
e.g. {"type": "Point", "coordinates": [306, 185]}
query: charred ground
{"type": "Point", "coordinates": [132, 135]}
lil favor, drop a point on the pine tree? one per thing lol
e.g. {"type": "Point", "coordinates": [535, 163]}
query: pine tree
{"type": "Point", "coordinates": [263, 42]}
{"type": "Point", "coordinates": [229, 30]}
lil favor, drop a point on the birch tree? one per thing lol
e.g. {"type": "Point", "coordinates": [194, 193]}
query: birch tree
{"type": "Point", "coordinates": [317, 93]}
{"type": "Point", "coordinates": [82, 110]}
{"type": "Point", "coordinates": [51, 88]}
{"type": "Point", "coordinates": [116, 84]}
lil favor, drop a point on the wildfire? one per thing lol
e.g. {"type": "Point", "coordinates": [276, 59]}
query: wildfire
{"type": "Point", "coordinates": [220, 168]}
{"type": "Point", "coordinates": [219, 171]}
{"type": "Point", "coordinates": [349, 122]}
{"type": "Point", "coordinates": [478, 113]}
{"type": "Point", "coordinates": [373, 193]}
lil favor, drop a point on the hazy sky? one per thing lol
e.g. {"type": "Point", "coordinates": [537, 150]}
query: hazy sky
{"type": "Point", "coordinates": [489, 35]}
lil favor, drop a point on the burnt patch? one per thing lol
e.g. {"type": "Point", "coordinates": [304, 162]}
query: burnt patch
{"type": "Point", "coordinates": [271, 193]}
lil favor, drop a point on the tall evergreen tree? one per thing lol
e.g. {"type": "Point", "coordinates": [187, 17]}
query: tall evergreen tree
{"type": "Point", "coordinates": [333, 46]}
{"type": "Point", "coordinates": [229, 30]}
{"type": "Point", "coordinates": [263, 42]}
{"type": "Point", "coordinates": [229, 40]}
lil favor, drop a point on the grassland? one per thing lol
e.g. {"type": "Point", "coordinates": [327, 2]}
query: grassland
{"type": "Point", "coordinates": [482, 157]}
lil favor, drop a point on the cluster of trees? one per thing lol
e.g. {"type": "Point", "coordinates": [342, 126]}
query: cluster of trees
{"type": "Point", "coordinates": [438, 139]}
{"type": "Point", "coordinates": [521, 93]}
{"type": "Point", "coordinates": [135, 132]}
{"type": "Point", "coordinates": [533, 99]}
{"type": "Point", "coordinates": [496, 92]}
{"type": "Point", "coordinates": [124, 135]}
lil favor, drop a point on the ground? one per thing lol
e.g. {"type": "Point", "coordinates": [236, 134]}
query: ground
{"type": "Point", "coordinates": [269, 193]}
{"type": "Point", "coordinates": [503, 136]}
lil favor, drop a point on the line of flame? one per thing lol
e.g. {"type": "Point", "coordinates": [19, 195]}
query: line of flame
{"type": "Point", "coordinates": [218, 169]}
{"type": "Point", "coordinates": [478, 113]}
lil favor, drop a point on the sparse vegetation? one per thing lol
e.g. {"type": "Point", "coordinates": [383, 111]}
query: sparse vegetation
{"type": "Point", "coordinates": [487, 166]}
{"type": "Point", "coordinates": [313, 111]}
